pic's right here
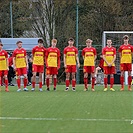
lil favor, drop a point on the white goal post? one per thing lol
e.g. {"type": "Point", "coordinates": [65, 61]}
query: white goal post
{"type": "Point", "coordinates": [113, 32]}
{"type": "Point", "coordinates": [117, 39]}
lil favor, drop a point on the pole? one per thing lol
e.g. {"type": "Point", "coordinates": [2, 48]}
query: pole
{"type": "Point", "coordinates": [77, 75]}
{"type": "Point", "coordinates": [11, 21]}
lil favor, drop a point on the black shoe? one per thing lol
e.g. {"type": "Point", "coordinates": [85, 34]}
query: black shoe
{"type": "Point", "coordinates": [11, 84]}
{"type": "Point", "coordinates": [48, 89]}
{"type": "Point", "coordinates": [66, 89]}
{"type": "Point", "coordinates": [73, 89]}
{"type": "Point", "coordinates": [29, 84]}
{"type": "Point", "coordinates": [54, 89]}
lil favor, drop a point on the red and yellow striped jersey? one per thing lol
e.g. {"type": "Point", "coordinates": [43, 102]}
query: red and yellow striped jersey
{"type": "Point", "coordinates": [109, 53]}
{"type": "Point", "coordinates": [19, 55]}
{"type": "Point", "coordinates": [3, 60]}
{"type": "Point", "coordinates": [89, 56]}
{"type": "Point", "coordinates": [38, 55]}
{"type": "Point", "coordinates": [52, 55]}
{"type": "Point", "coordinates": [70, 53]}
{"type": "Point", "coordinates": [126, 53]}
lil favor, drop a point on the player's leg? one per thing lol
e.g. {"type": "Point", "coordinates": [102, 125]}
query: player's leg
{"type": "Point", "coordinates": [67, 81]}
{"type": "Point", "coordinates": [40, 81]}
{"type": "Point", "coordinates": [73, 70]}
{"type": "Point", "coordinates": [47, 78]}
{"type": "Point", "coordinates": [68, 71]}
{"type": "Point", "coordinates": [55, 81]}
{"type": "Point", "coordinates": [105, 78]}
{"type": "Point", "coordinates": [18, 74]}
{"type": "Point", "coordinates": [33, 79]}
{"type": "Point", "coordinates": [93, 81]}
{"type": "Point", "coordinates": [92, 71]}
{"type": "Point", "coordinates": [55, 72]}
{"type": "Point", "coordinates": [112, 82]}
{"type": "Point", "coordinates": [73, 81]}
{"type": "Point", "coordinates": [25, 81]}
{"type": "Point", "coordinates": [6, 80]}
{"type": "Point", "coordinates": [85, 78]}
{"type": "Point", "coordinates": [122, 68]}
{"type": "Point", "coordinates": [129, 80]}
{"type": "Point", "coordinates": [85, 81]}
{"type": "Point", "coordinates": [0, 79]}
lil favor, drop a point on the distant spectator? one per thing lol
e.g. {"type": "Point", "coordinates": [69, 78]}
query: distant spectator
{"type": "Point", "coordinates": [11, 72]}
{"type": "Point", "coordinates": [29, 74]}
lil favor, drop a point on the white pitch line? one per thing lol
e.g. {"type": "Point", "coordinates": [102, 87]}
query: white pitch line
{"type": "Point", "coordinates": [63, 119]}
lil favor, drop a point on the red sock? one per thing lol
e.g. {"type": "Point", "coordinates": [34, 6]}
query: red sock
{"type": "Point", "coordinates": [105, 82]}
{"type": "Point", "coordinates": [67, 83]}
{"type": "Point", "coordinates": [122, 81]}
{"type": "Point", "coordinates": [33, 84]}
{"type": "Point", "coordinates": [73, 83]}
{"type": "Point", "coordinates": [55, 82]}
{"type": "Point", "coordinates": [111, 82]}
{"type": "Point", "coordinates": [18, 82]}
{"type": "Point", "coordinates": [85, 82]}
{"type": "Point", "coordinates": [129, 80]}
{"type": "Point", "coordinates": [40, 84]}
{"type": "Point", "coordinates": [25, 82]}
{"type": "Point", "coordinates": [6, 82]}
{"type": "Point", "coordinates": [47, 82]}
{"type": "Point", "coordinates": [93, 82]}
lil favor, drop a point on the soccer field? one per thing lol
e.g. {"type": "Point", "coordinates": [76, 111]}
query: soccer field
{"type": "Point", "coordinates": [66, 112]}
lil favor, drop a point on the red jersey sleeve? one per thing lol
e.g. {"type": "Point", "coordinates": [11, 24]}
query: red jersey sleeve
{"type": "Point", "coordinates": [6, 55]}
{"type": "Point", "coordinates": [33, 51]}
{"type": "Point", "coordinates": [103, 51]}
{"type": "Point", "coordinates": [24, 52]}
{"type": "Point", "coordinates": [120, 49]}
{"type": "Point", "coordinates": [114, 51]}
{"type": "Point", "coordinates": [58, 53]}
{"type": "Point", "coordinates": [14, 53]}
{"type": "Point", "coordinates": [65, 51]}
{"type": "Point", "coordinates": [132, 48]}
{"type": "Point", "coordinates": [46, 52]}
{"type": "Point", "coordinates": [76, 51]}
{"type": "Point", "coordinates": [95, 52]}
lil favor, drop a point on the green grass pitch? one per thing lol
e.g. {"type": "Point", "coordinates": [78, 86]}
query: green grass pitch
{"type": "Point", "coordinates": [66, 112]}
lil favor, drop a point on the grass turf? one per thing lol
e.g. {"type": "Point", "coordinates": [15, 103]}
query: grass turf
{"type": "Point", "coordinates": [66, 112]}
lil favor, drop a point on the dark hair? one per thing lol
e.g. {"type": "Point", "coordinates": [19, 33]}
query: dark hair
{"type": "Point", "coordinates": [40, 40]}
{"type": "Point", "coordinates": [71, 39]}
{"type": "Point", "coordinates": [18, 42]}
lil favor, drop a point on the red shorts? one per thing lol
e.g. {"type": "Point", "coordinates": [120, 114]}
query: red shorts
{"type": "Point", "coordinates": [51, 71]}
{"type": "Point", "coordinates": [70, 69]}
{"type": "Point", "coordinates": [21, 71]}
{"type": "Point", "coordinates": [126, 67]}
{"type": "Point", "coordinates": [89, 69]}
{"type": "Point", "coordinates": [109, 70]}
{"type": "Point", "coordinates": [3, 72]}
{"type": "Point", "coordinates": [38, 68]}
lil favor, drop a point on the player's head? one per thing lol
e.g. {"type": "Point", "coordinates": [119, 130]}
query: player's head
{"type": "Point", "coordinates": [109, 42]}
{"type": "Point", "coordinates": [71, 41]}
{"type": "Point", "coordinates": [54, 42]}
{"type": "Point", "coordinates": [88, 42]}
{"type": "Point", "coordinates": [125, 39]}
{"type": "Point", "coordinates": [40, 42]}
{"type": "Point", "coordinates": [1, 45]}
{"type": "Point", "coordinates": [19, 44]}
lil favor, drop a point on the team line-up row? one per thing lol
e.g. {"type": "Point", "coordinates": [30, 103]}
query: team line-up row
{"type": "Point", "coordinates": [51, 58]}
